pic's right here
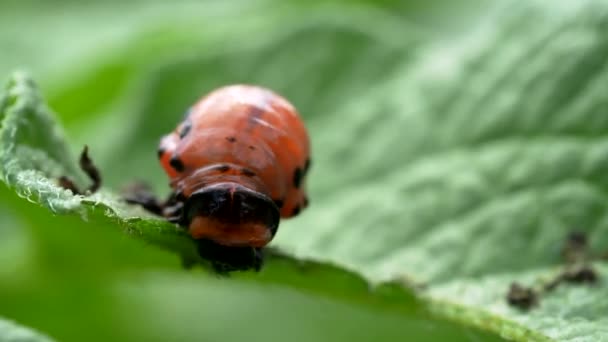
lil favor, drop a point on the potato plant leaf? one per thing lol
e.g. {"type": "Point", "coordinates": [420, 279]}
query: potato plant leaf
{"type": "Point", "coordinates": [455, 172]}
{"type": "Point", "coordinates": [12, 332]}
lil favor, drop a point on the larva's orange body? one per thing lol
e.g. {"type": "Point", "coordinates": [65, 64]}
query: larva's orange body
{"type": "Point", "coordinates": [237, 163]}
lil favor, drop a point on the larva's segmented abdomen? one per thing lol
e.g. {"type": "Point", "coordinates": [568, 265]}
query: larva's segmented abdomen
{"type": "Point", "coordinates": [245, 134]}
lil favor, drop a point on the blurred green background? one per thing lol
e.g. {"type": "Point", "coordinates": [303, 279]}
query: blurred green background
{"type": "Point", "coordinates": [119, 75]}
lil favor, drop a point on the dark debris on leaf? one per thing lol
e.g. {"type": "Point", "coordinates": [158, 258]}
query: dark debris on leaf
{"type": "Point", "coordinates": [575, 247]}
{"type": "Point", "coordinates": [522, 297]}
{"type": "Point", "coordinates": [575, 253]}
{"type": "Point", "coordinates": [581, 275]}
{"type": "Point", "coordinates": [89, 168]}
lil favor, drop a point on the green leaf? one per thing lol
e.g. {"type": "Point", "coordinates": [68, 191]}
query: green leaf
{"type": "Point", "coordinates": [458, 164]}
{"type": "Point", "coordinates": [467, 171]}
{"type": "Point", "coordinates": [34, 155]}
{"type": "Point", "coordinates": [23, 111]}
{"type": "Point", "coordinates": [12, 332]}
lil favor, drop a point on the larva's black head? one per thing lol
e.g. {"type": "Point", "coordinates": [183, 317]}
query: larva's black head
{"type": "Point", "coordinates": [230, 214]}
{"type": "Point", "coordinates": [225, 259]}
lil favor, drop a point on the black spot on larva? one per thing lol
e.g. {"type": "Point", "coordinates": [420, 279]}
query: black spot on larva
{"type": "Point", "coordinates": [251, 147]}
{"type": "Point", "coordinates": [297, 177]}
{"type": "Point", "coordinates": [305, 202]}
{"type": "Point", "coordinates": [160, 152]}
{"type": "Point", "coordinates": [306, 165]}
{"type": "Point", "coordinates": [279, 203]}
{"type": "Point", "coordinates": [223, 168]}
{"type": "Point", "coordinates": [176, 163]}
{"type": "Point", "coordinates": [247, 172]}
{"type": "Point", "coordinates": [295, 211]}
{"type": "Point", "coordinates": [231, 139]}
{"type": "Point", "coordinates": [185, 129]}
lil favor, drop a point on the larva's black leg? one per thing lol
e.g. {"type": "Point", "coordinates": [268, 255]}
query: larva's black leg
{"type": "Point", "coordinates": [220, 269]}
{"type": "Point", "coordinates": [258, 259]}
{"type": "Point", "coordinates": [141, 194]}
{"type": "Point", "coordinates": [87, 165]}
{"type": "Point", "coordinates": [174, 213]}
